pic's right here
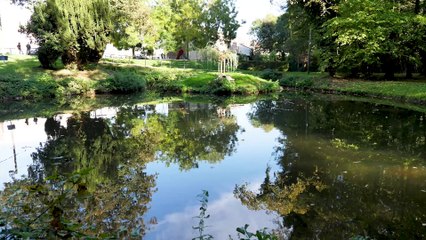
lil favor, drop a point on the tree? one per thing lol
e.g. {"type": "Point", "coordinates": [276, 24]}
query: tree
{"type": "Point", "coordinates": [78, 31]}
{"type": "Point", "coordinates": [265, 32]}
{"type": "Point", "coordinates": [220, 19]}
{"type": "Point", "coordinates": [133, 25]}
{"type": "Point", "coordinates": [371, 35]}
{"type": "Point", "coordinates": [195, 23]}
{"type": "Point", "coordinates": [187, 17]}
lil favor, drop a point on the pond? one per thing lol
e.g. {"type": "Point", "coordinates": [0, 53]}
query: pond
{"type": "Point", "coordinates": [301, 166]}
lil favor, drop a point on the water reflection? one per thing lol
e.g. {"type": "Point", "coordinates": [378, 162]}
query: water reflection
{"type": "Point", "coordinates": [115, 144]}
{"type": "Point", "coordinates": [326, 169]}
{"type": "Point", "coordinates": [347, 169]}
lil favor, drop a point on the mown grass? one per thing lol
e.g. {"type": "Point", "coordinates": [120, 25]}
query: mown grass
{"type": "Point", "coordinates": [22, 77]}
{"type": "Point", "coordinates": [406, 90]}
{"type": "Point", "coordinates": [411, 90]}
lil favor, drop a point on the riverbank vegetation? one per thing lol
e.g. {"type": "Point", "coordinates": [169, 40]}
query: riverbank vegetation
{"type": "Point", "coordinates": [22, 77]}
{"type": "Point", "coordinates": [412, 91]}
{"type": "Point", "coordinates": [356, 38]}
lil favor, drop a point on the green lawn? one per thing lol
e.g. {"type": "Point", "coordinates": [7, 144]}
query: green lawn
{"type": "Point", "coordinates": [406, 90]}
{"type": "Point", "coordinates": [22, 77]}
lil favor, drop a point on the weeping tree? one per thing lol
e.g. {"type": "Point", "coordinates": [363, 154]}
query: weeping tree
{"type": "Point", "coordinates": [75, 30]}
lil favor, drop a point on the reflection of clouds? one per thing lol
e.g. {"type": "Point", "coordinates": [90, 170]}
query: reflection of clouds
{"type": "Point", "coordinates": [226, 214]}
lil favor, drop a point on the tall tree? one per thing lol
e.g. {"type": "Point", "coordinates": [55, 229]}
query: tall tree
{"type": "Point", "coordinates": [76, 30]}
{"type": "Point", "coordinates": [220, 19]}
{"type": "Point", "coordinates": [264, 30]}
{"type": "Point", "coordinates": [371, 35]}
{"type": "Point", "coordinates": [133, 24]}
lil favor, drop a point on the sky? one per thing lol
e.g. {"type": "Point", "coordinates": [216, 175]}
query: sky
{"type": "Point", "coordinates": [12, 16]}
{"type": "Point", "coordinates": [250, 10]}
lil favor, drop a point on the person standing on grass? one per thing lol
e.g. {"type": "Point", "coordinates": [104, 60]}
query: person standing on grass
{"type": "Point", "coordinates": [19, 48]}
{"type": "Point", "coordinates": [28, 48]}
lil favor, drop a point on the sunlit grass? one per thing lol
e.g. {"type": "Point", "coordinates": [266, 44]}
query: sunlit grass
{"type": "Point", "coordinates": [22, 77]}
{"type": "Point", "coordinates": [400, 89]}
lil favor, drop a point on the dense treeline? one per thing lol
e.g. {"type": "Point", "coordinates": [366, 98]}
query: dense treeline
{"type": "Point", "coordinates": [356, 37]}
{"type": "Point", "coordinates": [78, 30]}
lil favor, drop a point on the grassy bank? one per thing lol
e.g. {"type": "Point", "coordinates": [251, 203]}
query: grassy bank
{"type": "Point", "coordinates": [413, 90]}
{"type": "Point", "coordinates": [22, 77]}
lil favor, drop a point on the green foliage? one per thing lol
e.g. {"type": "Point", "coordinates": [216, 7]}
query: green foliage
{"type": "Point", "coordinates": [286, 38]}
{"type": "Point", "coordinates": [221, 17]}
{"type": "Point", "coordinates": [34, 209]}
{"type": "Point", "coordinates": [365, 32]}
{"type": "Point", "coordinates": [75, 86]}
{"type": "Point", "coordinates": [133, 24]}
{"type": "Point", "coordinates": [203, 216]}
{"type": "Point", "coordinates": [271, 74]}
{"type": "Point", "coordinates": [259, 234]}
{"type": "Point", "coordinates": [22, 79]}
{"type": "Point", "coordinates": [263, 65]}
{"type": "Point", "coordinates": [297, 81]}
{"type": "Point", "coordinates": [165, 81]}
{"type": "Point", "coordinates": [124, 82]}
{"type": "Point", "coordinates": [221, 86]}
{"type": "Point", "coordinates": [265, 32]}
{"type": "Point", "coordinates": [78, 31]}
{"type": "Point", "coordinates": [195, 23]}
{"type": "Point", "coordinates": [243, 233]}
{"type": "Point", "coordinates": [340, 143]}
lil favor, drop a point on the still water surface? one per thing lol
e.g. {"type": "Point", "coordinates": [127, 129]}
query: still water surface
{"type": "Point", "coordinates": [305, 166]}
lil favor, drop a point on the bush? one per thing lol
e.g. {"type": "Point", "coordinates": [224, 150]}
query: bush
{"type": "Point", "coordinates": [71, 86]}
{"type": "Point", "coordinates": [48, 53]}
{"type": "Point", "coordinates": [297, 81]}
{"type": "Point", "coordinates": [123, 82]}
{"type": "Point", "coordinates": [247, 90]}
{"type": "Point", "coordinates": [164, 81]}
{"type": "Point", "coordinates": [269, 87]}
{"type": "Point", "coordinates": [271, 74]}
{"type": "Point", "coordinates": [221, 86]}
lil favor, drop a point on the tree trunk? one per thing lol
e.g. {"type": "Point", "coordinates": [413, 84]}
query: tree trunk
{"type": "Point", "coordinates": [423, 60]}
{"type": "Point", "coordinates": [417, 7]}
{"type": "Point", "coordinates": [409, 67]}
{"type": "Point", "coordinates": [133, 52]}
{"type": "Point", "coordinates": [388, 67]}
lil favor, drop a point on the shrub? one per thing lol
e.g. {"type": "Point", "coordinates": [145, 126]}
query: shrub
{"type": "Point", "coordinates": [271, 74]}
{"type": "Point", "coordinates": [297, 81]}
{"type": "Point", "coordinates": [49, 52]}
{"type": "Point", "coordinates": [269, 87]}
{"type": "Point", "coordinates": [247, 90]}
{"type": "Point", "coordinates": [221, 86]}
{"type": "Point", "coordinates": [71, 86]}
{"type": "Point", "coordinates": [123, 81]}
{"type": "Point", "coordinates": [164, 81]}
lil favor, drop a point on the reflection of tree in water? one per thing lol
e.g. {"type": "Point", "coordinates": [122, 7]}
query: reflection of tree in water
{"type": "Point", "coordinates": [114, 195]}
{"type": "Point", "coordinates": [378, 126]}
{"type": "Point", "coordinates": [197, 132]}
{"type": "Point", "coordinates": [345, 171]}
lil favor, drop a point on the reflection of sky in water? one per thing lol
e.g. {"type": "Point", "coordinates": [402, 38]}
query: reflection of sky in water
{"type": "Point", "coordinates": [226, 215]}
{"type": "Point", "coordinates": [25, 137]}
{"type": "Point", "coordinates": [175, 204]}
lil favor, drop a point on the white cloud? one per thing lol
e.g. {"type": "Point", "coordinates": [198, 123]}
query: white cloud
{"type": "Point", "coordinates": [226, 214]}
